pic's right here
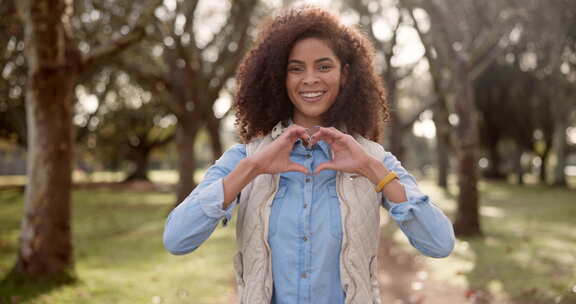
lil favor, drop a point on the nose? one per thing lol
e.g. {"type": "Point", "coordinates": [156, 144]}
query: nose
{"type": "Point", "coordinates": [310, 78]}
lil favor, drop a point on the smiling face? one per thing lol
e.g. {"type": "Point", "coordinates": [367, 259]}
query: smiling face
{"type": "Point", "coordinates": [313, 80]}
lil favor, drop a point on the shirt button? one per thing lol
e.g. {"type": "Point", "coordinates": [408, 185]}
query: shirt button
{"type": "Point", "coordinates": [304, 275]}
{"type": "Point", "coordinates": [305, 238]}
{"type": "Point", "coordinates": [305, 206]}
{"type": "Point", "coordinates": [307, 179]}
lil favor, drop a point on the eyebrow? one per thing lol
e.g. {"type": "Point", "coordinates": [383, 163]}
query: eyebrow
{"type": "Point", "coordinates": [315, 61]}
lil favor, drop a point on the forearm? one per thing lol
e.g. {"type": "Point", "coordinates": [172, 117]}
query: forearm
{"type": "Point", "coordinates": [427, 228]}
{"type": "Point", "coordinates": [375, 171]}
{"type": "Point", "coordinates": [241, 176]}
{"type": "Point", "coordinates": [187, 227]}
{"type": "Point", "coordinates": [194, 219]}
{"type": "Point", "coordinates": [425, 225]}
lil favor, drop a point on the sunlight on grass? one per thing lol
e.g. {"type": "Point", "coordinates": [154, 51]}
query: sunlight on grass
{"type": "Point", "coordinates": [157, 176]}
{"type": "Point", "coordinates": [528, 252]}
{"type": "Point", "coordinates": [171, 176]}
{"type": "Point", "coordinates": [120, 257]}
{"type": "Point", "coordinates": [529, 248]}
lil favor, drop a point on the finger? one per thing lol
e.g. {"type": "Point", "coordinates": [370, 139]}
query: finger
{"type": "Point", "coordinates": [295, 127]}
{"type": "Point", "coordinates": [297, 168]}
{"type": "Point", "coordinates": [295, 132]}
{"type": "Point", "coordinates": [325, 166]}
{"type": "Point", "coordinates": [329, 135]}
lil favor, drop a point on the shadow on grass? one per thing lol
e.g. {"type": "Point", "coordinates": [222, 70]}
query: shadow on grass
{"type": "Point", "coordinates": [527, 253]}
{"type": "Point", "coordinates": [119, 256]}
{"type": "Point", "coordinates": [15, 288]}
{"type": "Point", "coordinates": [112, 230]}
{"type": "Point", "coordinates": [503, 264]}
{"type": "Point", "coordinates": [526, 250]}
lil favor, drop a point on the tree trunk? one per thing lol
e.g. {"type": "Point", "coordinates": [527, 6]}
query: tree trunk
{"type": "Point", "coordinates": [494, 170]}
{"type": "Point", "coordinates": [442, 151]}
{"type": "Point", "coordinates": [45, 244]}
{"type": "Point", "coordinates": [467, 222]}
{"type": "Point", "coordinates": [544, 166]}
{"type": "Point", "coordinates": [140, 157]}
{"type": "Point", "coordinates": [442, 140]}
{"type": "Point", "coordinates": [396, 143]}
{"type": "Point", "coordinates": [186, 132]}
{"type": "Point", "coordinates": [213, 127]}
{"type": "Point", "coordinates": [518, 165]}
{"type": "Point", "coordinates": [396, 127]}
{"type": "Point", "coordinates": [561, 147]}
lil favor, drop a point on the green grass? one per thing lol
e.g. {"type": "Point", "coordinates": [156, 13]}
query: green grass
{"type": "Point", "coordinates": [528, 252]}
{"type": "Point", "coordinates": [157, 176]}
{"type": "Point", "coordinates": [119, 254]}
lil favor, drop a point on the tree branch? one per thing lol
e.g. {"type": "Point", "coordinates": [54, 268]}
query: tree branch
{"type": "Point", "coordinates": [161, 142]}
{"type": "Point", "coordinates": [228, 60]}
{"type": "Point", "coordinates": [147, 78]}
{"type": "Point", "coordinates": [410, 121]}
{"type": "Point", "coordinates": [108, 51]}
{"type": "Point", "coordinates": [482, 57]}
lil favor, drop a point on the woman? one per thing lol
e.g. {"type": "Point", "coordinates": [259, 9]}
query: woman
{"type": "Point", "coordinates": [309, 179]}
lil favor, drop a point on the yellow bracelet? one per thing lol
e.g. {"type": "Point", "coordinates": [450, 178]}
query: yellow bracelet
{"type": "Point", "coordinates": [388, 178]}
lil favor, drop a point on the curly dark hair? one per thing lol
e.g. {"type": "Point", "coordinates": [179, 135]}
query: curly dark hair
{"type": "Point", "coordinates": [262, 100]}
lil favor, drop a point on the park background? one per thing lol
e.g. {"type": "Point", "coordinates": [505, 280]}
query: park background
{"type": "Point", "coordinates": [111, 110]}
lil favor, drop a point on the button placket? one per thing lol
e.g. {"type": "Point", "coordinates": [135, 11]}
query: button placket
{"type": "Point", "coordinates": [305, 237]}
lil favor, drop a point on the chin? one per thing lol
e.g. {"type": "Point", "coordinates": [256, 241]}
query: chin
{"type": "Point", "coordinates": [313, 114]}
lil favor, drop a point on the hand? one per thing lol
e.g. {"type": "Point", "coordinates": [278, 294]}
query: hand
{"type": "Point", "coordinates": [275, 158]}
{"type": "Point", "coordinates": [349, 156]}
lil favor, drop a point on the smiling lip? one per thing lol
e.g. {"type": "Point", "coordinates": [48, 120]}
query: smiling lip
{"type": "Point", "coordinates": [312, 95]}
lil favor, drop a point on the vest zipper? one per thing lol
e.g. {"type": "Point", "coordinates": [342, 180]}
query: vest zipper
{"type": "Point", "coordinates": [345, 245]}
{"type": "Point", "coordinates": [265, 231]}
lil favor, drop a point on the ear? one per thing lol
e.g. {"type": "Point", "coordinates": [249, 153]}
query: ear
{"type": "Point", "coordinates": [344, 75]}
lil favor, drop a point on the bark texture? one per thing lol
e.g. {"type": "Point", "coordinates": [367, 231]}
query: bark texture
{"type": "Point", "coordinates": [45, 243]}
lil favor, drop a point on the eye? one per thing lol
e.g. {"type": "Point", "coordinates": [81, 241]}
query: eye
{"type": "Point", "coordinates": [324, 67]}
{"type": "Point", "coordinates": [295, 69]}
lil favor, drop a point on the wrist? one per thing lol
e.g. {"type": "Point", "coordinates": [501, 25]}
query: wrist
{"type": "Point", "coordinates": [250, 166]}
{"type": "Point", "coordinates": [374, 170]}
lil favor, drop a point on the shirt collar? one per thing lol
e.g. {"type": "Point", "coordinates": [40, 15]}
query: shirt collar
{"type": "Point", "coordinates": [279, 129]}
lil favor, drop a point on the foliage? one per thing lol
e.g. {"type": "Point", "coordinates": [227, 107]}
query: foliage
{"type": "Point", "coordinates": [129, 124]}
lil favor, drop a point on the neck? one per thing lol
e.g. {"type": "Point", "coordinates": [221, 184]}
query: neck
{"type": "Point", "coordinates": [306, 122]}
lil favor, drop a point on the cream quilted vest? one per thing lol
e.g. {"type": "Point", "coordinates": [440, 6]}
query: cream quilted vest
{"type": "Point", "coordinates": [360, 208]}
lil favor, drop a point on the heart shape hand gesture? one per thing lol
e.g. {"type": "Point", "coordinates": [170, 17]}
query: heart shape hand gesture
{"type": "Point", "coordinates": [275, 158]}
{"type": "Point", "coordinates": [349, 156]}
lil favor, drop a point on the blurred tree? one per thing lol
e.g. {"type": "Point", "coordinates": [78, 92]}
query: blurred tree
{"type": "Point", "coordinates": [468, 33]}
{"type": "Point", "coordinates": [12, 76]}
{"type": "Point", "coordinates": [55, 64]}
{"type": "Point", "coordinates": [445, 135]}
{"type": "Point", "coordinates": [131, 125]}
{"type": "Point", "coordinates": [370, 14]}
{"type": "Point", "coordinates": [524, 96]}
{"type": "Point", "coordinates": [193, 66]}
{"type": "Point", "coordinates": [505, 100]}
{"type": "Point", "coordinates": [565, 108]}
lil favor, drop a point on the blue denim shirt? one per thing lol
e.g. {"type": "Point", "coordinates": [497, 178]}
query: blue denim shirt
{"type": "Point", "coordinates": [305, 233]}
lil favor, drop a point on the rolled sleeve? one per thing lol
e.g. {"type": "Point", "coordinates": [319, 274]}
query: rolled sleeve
{"type": "Point", "coordinates": [424, 224]}
{"type": "Point", "coordinates": [211, 200]}
{"type": "Point", "coordinates": [193, 220]}
{"type": "Point", "coordinates": [404, 211]}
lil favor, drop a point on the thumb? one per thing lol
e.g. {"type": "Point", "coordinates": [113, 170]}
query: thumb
{"type": "Point", "coordinates": [325, 166]}
{"type": "Point", "coordinates": [298, 168]}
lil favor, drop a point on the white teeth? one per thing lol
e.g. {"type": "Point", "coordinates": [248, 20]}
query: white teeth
{"type": "Point", "coordinates": [311, 94]}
